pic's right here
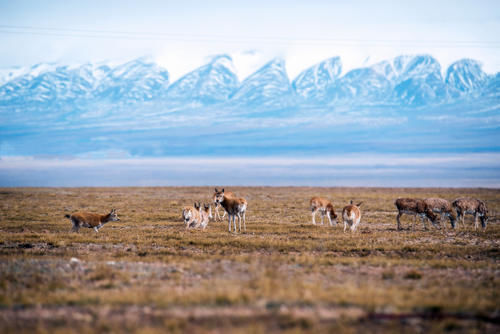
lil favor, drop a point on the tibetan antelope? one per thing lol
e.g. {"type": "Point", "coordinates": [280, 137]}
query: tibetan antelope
{"type": "Point", "coordinates": [474, 207]}
{"type": "Point", "coordinates": [205, 215]}
{"type": "Point", "coordinates": [351, 215]}
{"type": "Point", "coordinates": [217, 205]}
{"type": "Point", "coordinates": [191, 215]}
{"type": "Point", "coordinates": [325, 207]}
{"type": "Point", "coordinates": [234, 206]}
{"type": "Point", "coordinates": [414, 207]}
{"type": "Point", "coordinates": [442, 207]}
{"type": "Point", "coordinates": [91, 220]}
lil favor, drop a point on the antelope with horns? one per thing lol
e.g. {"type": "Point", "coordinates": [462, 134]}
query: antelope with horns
{"type": "Point", "coordinates": [205, 215]}
{"type": "Point", "coordinates": [191, 215]}
{"type": "Point", "coordinates": [351, 215]}
{"type": "Point", "coordinates": [325, 207]}
{"type": "Point", "coordinates": [474, 207]}
{"type": "Point", "coordinates": [217, 205]}
{"type": "Point", "coordinates": [234, 206]}
{"type": "Point", "coordinates": [91, 220]}
{"type": "Point", "coordinates": [442, 207]}
{"type": "Point", "coordinates": [414, 207]}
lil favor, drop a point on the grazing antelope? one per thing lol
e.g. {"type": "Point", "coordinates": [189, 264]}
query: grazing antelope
{"type": "Point", "coordinates": [217, 205]}
{"type": "Point", "coordinates": [205, 215]}
{"type": "Point", "coordinates": [442, 207]}
{"type": "Point", "coordinates": [414, 207]}
{"type": "Point", "coordinates": [351, 215]}
{"type": "Point", "coordinates": [325, 207]}
{"type": "Point", "coordinates": [191, 215]}
{"type": "Point", "coordinates": [474, 207]}
{"type": "Point", "coordinates": [234, 206]}
{"type": "Point", "coordinates": [91, 220]}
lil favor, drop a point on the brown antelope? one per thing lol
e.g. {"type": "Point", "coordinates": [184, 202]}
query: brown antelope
{"type": "Point", "coordinates": [234, 206]}
{"type": "Point", "coordinates": [442, 207]}
{"type": "Point", "coordinates": [325, 207]}
{"type": "Point", "coordinates": [474, 207]}
{"type": "Point", "coordinates": [217, 205]}
{"type": "Point", "coordinates": [91, 220]}
{"type": "Point", "coordinates": [191, 215]}
{"type": "Point", "coordinates": [414, 207]}
{"type": "Point", "coordinates": [351, 215]}
{"type": "Point", "coordinates": [205, 215]}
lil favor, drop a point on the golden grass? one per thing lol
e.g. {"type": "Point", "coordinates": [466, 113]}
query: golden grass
{"type": "Point", "coordinates": [282, 267]}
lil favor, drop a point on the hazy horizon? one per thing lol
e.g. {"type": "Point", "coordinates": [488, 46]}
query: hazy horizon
{"type": "Point", "coordinates": [356, 170]}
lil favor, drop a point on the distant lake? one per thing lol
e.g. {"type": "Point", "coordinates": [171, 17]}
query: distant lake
{"type": "Point", "coordinates": [381, 170]}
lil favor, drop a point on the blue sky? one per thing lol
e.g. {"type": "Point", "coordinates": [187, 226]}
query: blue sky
{"type": "Point", "coordinates": [181, 35]}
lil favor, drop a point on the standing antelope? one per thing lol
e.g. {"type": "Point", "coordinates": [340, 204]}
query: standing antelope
{"type": "Point", "coordinates": [191, 215]}
{"type": "Point", "coordinates": [442, 207]}
{"type": "Point", "coordinates": [414, 207]}
{"type": "Point", "coordinates": [217, 205]}
{"type": "Point", "coordinates": [325, 207]}
{"type": "Point", "coordinates": [474, 207]}
{"type": "Point", "coordinates": [91, 220]}
{"type": "Point", "coordinates": [205, 215]}
{"type": "Point", "coordinates": [351, 215]}
{"type": "Point", "coordinates": [234, 206]}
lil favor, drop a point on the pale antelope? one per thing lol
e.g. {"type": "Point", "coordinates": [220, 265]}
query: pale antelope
{"type": "Point", "coordinates": [414, 207]}
{"type": "Point", "coordinates": [234, 206]}
{"type": "Point", "coordinates": [217, 205]}
{"type": "Point", "coordinates": [474, 207]}
{"type": "Point", "coordinates": [325, 207]}
{"type": "Point", "coordinates": [91, 220]}
{"type": "Point", "coordinates": [351, 215]}
{"type": "Point", "coordinates": [205, 215]}
{"type": "Point", "coordinates": [442, 207]}
{"type": "Point", "coordinates": [191, 215]}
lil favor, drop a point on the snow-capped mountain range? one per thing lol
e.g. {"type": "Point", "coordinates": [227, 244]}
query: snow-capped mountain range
{"type": "Point", "coordinates": [404, 80]}
{"type": "Point", "coordinates": [405, 104]}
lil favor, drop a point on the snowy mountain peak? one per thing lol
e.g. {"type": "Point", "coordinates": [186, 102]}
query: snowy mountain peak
{"type": "Point", "coordinates": [314, 82]}
{"type": "Point", "coordinates": [209, 83]}
{"type": "Point", "coordinates": [407, 66]}
{"type": "Point", "coordinates": [465, 75]}
{"type": "Point", "coordinates": [138, 80]}
{"type": "Point", "coordinates": [268, 87]}
{"type": "Point", "coordinates": [363, 85]}
{"type": "Point", "coordinates": [224, 61]}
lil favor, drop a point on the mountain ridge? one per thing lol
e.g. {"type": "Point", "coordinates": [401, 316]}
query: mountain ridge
{"type": "Point", "coordinates": [408, 80]}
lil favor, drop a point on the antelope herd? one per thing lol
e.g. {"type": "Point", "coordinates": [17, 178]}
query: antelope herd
{"type": "Point", "coordinates": [199, 215]}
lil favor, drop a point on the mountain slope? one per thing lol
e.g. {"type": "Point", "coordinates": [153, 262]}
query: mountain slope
{"type": "Point", "coordinates": [135, 81]}
{"type": "Point", "coordinates": [213, 82]}
{"type": "Point", "coordinates": [269, 87]}
{"type": "Point", "coordinates": [313, 83]}
{"type": "Point", "coordinates": [362, 85]}
{"type": "Point", "coordinates": [465, 76]}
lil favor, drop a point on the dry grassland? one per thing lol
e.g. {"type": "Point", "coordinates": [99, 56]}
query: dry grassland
{"type": "Point", "coordinates": [147, 274]}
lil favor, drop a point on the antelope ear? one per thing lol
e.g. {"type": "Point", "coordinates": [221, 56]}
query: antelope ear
{"type": "Point", "coordinates": [359, 204]}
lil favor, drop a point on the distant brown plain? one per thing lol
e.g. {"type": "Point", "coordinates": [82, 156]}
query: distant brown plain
{"type": "Point", "coordinates": [147, 274]}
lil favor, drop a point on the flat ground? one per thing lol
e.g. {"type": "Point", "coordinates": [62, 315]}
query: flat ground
{"type": "Point", "coordinates": [148, 274]}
